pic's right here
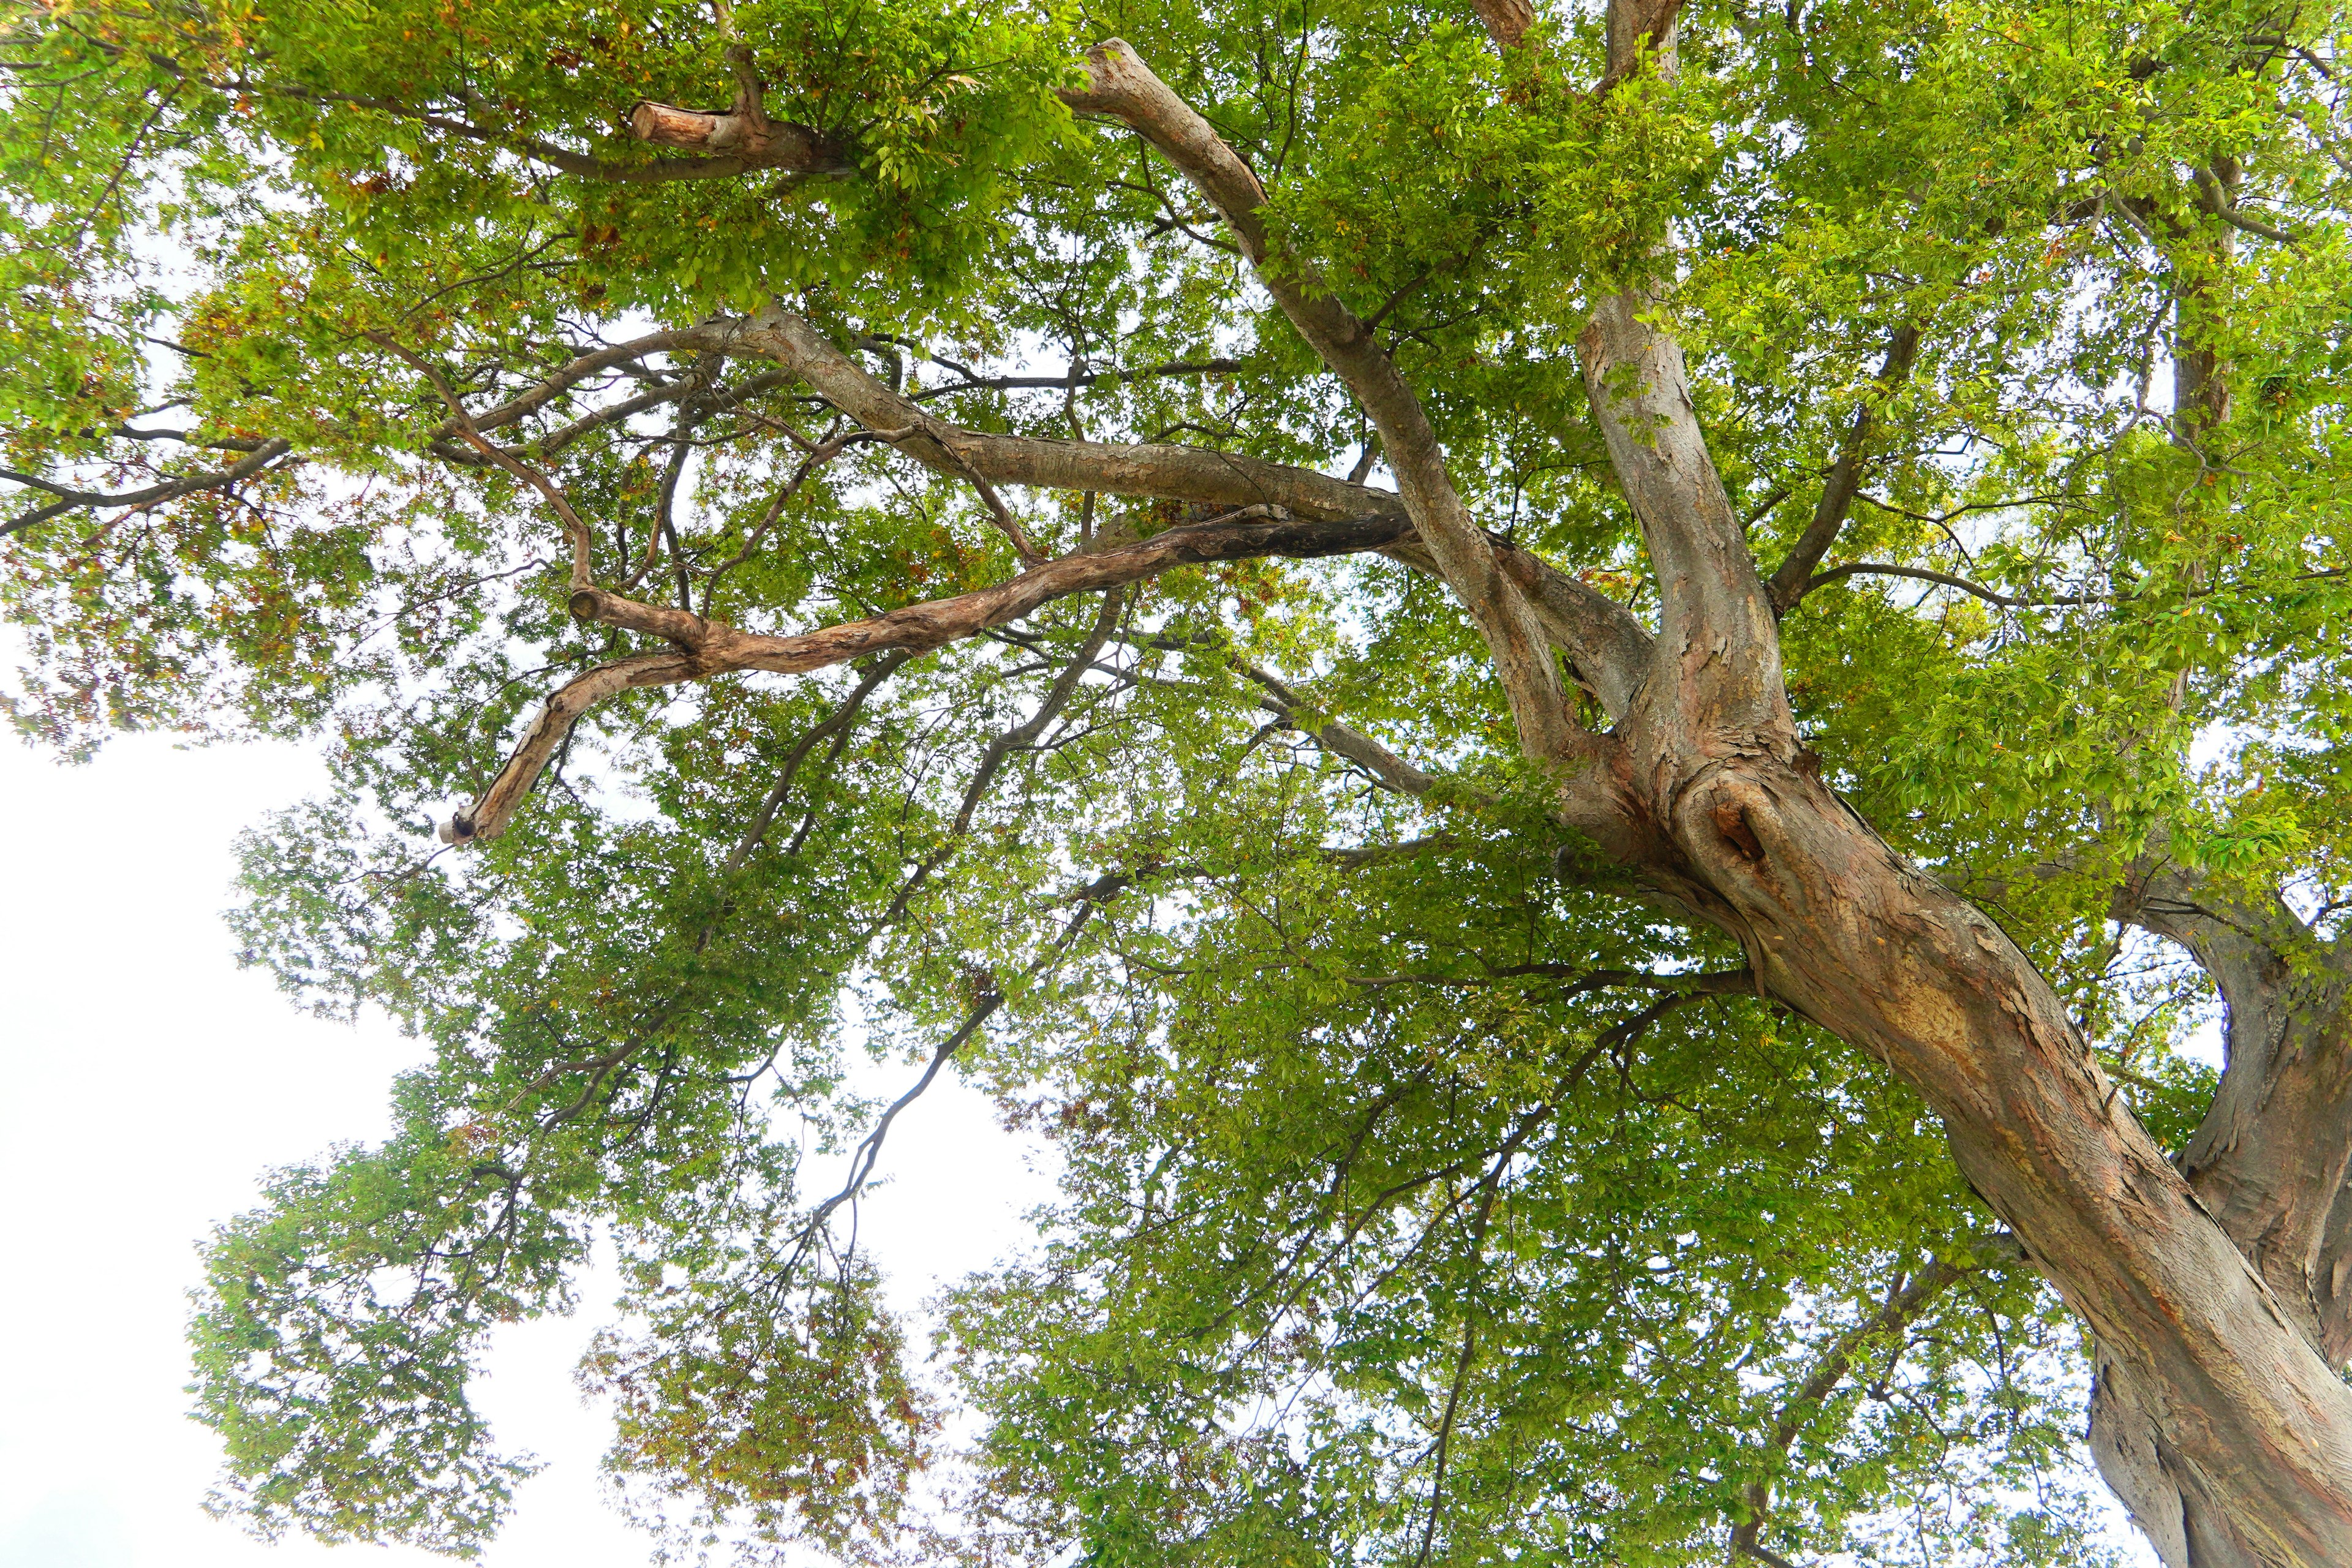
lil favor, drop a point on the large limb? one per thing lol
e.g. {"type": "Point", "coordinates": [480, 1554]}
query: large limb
{"type": "Point", "coordinates": [1608, 648]}
{"type": "Point", "coordinates": [1119, 84]}
{"type": "Point", "coordinates": [1718, 662]}
{"type": "Point", "coordinates": [2271, 1157]}
{"type": "Point", "coordinates": [2249, 1423]}
{"type": "Point", "coordinates": [703, 648]}
{"type": "Point", "coordinates": [2268, 1162]}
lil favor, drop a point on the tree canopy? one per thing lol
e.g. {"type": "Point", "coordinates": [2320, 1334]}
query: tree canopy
{"type": "Point", "coordinates": [1583, 702]}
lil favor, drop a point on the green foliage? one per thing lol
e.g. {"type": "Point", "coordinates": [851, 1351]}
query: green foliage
{"type": "Point", "coordinates": [1387, 1231]}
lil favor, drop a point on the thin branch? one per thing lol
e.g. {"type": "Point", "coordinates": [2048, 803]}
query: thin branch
{"type": "Point", "coordinates": [72, 500]}
{"type": "Point", "coordinates": [1922, 574]}
{"type": "Point", "coordinates": [840, 717]}
{"type": "Point", "coordinates": [1073, 380]}
{"type": "Point", "coordinates": [1830, 1369]}
{"type": "Point", "coordinates": [1788, 583]}
{"type": "Point", "coordinates": [582, 544]}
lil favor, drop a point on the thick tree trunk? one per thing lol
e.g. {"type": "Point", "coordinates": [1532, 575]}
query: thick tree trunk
{"type": "Point", "coordinates": [2233, 1406]}
{"type": "Point", "coordinates": [2268, 1163]}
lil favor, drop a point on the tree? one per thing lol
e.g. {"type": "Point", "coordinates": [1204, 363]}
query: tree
{"type": "Point", "coordinates": [1614, 985]}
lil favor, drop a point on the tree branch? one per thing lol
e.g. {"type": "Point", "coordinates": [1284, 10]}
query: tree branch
{"type": "Point", "coordinates": [1392, 771]}
{"type": "Point", "coordinates": [583, 543]}
{"type": "Point", "coordinates": [1609, 648]}
{"type": "Point", "coordinates": [706, 647]}
{"type": "Point", "coordinates": [71, 499]}
{"type": "Point", "coordinates": [2271, 1158]}
{"type": "Point", "coordinates": [1119, 84]}
{"type": "Point", "coordinates": [1795, 576]}
{"type": "Point", "coordinates": [1831, 1367]}
{"type": "Point", "coordinates": [1922, 574]}
{"type": "Point", "coordinates": [1718, 652]}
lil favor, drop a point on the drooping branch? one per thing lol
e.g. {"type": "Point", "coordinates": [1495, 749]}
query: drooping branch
{"type": "Point", "coordinates": [999, 748]}
{"type": "Point", "coordinates": [489, 816]}
{"type": "Point", "coordinates": [834, 724]}
{"type": "Point", "coordinates": [706, 647]}
{"type": "Point", "coordinates": [1946, 579]}
{"type": "Point", "coordinates": [1119, 84]}
{"type": "Point", "coordinates": [574, 528]}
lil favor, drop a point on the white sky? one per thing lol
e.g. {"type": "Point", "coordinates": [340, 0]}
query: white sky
{"type": "Point", "coordinates": [145, 1084]}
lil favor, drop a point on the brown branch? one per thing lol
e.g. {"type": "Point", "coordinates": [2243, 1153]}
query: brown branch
{"type": "Point", "coordinates": [1719, 653]}
{"type": "Point", "coordinates": [1922, 574]}
{"type": "Point", "coordinates": [706, 647]}
{"type": "Point", "coordinates": [1505, 21]}
{"type": "Point", "coordinates": [2270, 1156]}
{"type": "Point", "coordinates": [583, 543]}
{"type": "Point", "coordinates": [1638, 30]}
{"type": "Point", "coordinates": [489, 816]}
{"type": "Point", "coordinates": [72, 500]}
{"type": "Point", "coordinates": [1795, 576]}
{"type": "Point", "coordinates": [698, 339]}
{"type": "Point", "coordinates": [1609, 648]}
{"type": "Point", "coordinates": [742, 135]}
{"type": "Point", "coordinates": [1072, 381]}
{"type": "Point", "coordinates": [1119, 84]}
{"type": "Point", "coordinates": [794, 149]}
{"type": "Point", "coordinates": [1392, 772]}
{"type": "Point", "coordinates": [2212, 198]}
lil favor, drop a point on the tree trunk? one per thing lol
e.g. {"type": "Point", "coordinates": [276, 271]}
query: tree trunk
{"type": "Point", "coordinates": [2268, 1163]}
{"type": "Point", "coordinates": [2223, 1426]}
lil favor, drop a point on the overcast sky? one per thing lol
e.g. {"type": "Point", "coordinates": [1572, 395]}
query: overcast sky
{"type": "Point", "coordinates": [148, 1082]}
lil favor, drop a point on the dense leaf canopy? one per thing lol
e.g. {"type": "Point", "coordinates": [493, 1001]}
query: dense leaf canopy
{"type": "Point", "coordinates": [1427, 1195]}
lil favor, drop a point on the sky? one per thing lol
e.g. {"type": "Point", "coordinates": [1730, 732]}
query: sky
{"type": "Point", "coordinates": [146, 1083]}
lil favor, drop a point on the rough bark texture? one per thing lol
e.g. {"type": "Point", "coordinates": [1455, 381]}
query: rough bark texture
{"type": "Point", "coordinates": [2268, 1163]}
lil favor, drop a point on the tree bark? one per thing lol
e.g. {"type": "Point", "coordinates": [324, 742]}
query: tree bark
{"type": "Point", "coordinates": [2235, 1407]}
{"type": "Point", "coordinates": [2268, 1162]}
